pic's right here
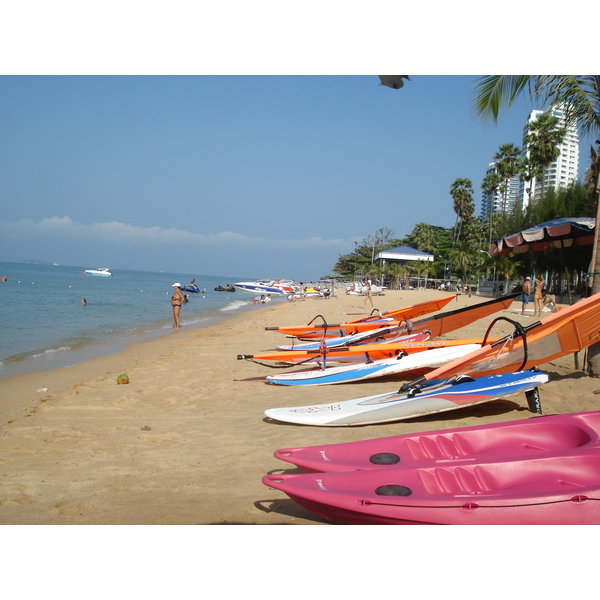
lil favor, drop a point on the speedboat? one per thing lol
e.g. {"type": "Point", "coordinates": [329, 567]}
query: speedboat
{"type": "Point", "coordinates": [266, 286]}
{"type": "Point", "coordinates": [102, 272]}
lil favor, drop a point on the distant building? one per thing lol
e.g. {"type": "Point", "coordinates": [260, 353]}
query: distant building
{"type": "Point", "coordinates": [502, 201]}
{"type": "Point", "coordinates": [563, 171]}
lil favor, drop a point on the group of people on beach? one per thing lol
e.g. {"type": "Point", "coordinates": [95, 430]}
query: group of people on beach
{"type": "Point", "coordinates": [541, 298]}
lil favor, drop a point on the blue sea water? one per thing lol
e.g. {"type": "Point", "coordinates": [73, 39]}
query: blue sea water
{"type": "Point", "coordinates": [45, 325]}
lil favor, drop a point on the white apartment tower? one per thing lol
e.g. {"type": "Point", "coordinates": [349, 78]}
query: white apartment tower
{"type": "Point", "coordinates": [563, 171]}
{"type": "Point", "coordinates": [504, 201]}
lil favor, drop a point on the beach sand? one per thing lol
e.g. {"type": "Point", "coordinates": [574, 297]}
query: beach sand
{"type": "Point", "coordinates": [186, 441]}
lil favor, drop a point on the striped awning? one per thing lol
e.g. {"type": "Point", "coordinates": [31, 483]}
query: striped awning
{"type": "Point", "coordinates": [557, 233]}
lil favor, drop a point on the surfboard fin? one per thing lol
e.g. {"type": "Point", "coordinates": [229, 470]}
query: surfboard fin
{"type": "Point", "coordinates": [533, 401]}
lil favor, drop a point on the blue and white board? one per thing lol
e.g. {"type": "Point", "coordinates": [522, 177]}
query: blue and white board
{"type": "Point", "coordinates": [395, 406]}
{"type": "Point", "coordinates": [405, 363]}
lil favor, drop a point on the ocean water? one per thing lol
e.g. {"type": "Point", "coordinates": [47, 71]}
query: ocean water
{"type": "Point", "coordinates": [45, 326]}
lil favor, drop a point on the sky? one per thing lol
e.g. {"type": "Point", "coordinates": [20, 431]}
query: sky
{"type": "Point", "coordinates": [275, 173]}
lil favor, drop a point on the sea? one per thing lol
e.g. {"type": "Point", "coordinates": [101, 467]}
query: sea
{"type": "Point", "coordinates": [46, 325]}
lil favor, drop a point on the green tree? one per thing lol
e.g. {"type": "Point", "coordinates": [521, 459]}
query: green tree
{"type": "Point", "coordinates": [396, 272]}
{"type": "Point", "coordinates": [462, 256]}
{"type": "Point", "coordinates": [462, 195]}
{"type": "Point", "coordinates": [529, 172]}
{"type": "Point", "coordinates": [427, 238]}
{"type": "Point", "coordinates": [543, 141]}
{"type": "Point", "coordinates": [579, 93]}
{"type": "Point", "coordinates": [490, 185]}
{"type": "Point", "coordinates": [508, 164]}
{"type": "Point", "coordinates": [592, 175]}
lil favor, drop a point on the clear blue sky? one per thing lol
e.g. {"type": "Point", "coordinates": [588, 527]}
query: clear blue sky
{"type": "Point", "coordinates": [233, 175]}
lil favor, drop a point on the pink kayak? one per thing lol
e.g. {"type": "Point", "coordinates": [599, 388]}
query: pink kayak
{"type": "Point", "coordinates": [554, 434]}
{"type": "Point", "coordinates": [550, 489]}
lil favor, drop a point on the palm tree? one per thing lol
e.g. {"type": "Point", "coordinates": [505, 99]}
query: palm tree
{"type": "Point", "coordinates": [462, 194]}
{"type": "Point", "coordinates": [543, 141]}
{"type": "Point", "coordinates": [397, 271]}
{"type": "Point", "coordinates": [461, 258]}
{"type": "Point", "coordinates": [581, 96]}
{"type": "Point", "coordinates": [592, 175]}
{"type": "Point", "coordinates": [507, 268]}
{"type": "Point", "coordinates": [490, 185]}
{"type": "Point", "coordinates": [508, 164]}
{"type": "Point", "coordinates": [529, 172]}
{"type": "Point", "coordinates": [579, 93]}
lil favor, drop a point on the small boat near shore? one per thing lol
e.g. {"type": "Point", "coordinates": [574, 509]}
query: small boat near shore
{"type": "Point", "coordinates": [266, 286]}
{"type": "Point", "coordinates": [100, 272]}
{"type": "Point", "coordinates": [191, 288]}
{"type": "Point", "coordinates": [225, 288]}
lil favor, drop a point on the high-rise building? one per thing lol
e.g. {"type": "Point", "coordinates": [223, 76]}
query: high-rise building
{"type": "Point", "coordinates": [503, 200]}
{"type": "Point", "coordinates": [563, 171]}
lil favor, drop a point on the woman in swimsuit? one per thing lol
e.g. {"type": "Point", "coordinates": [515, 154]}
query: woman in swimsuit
{"type": "Point", "coordinates": [538, 301]}
{"type": "Point", "coordinates": [177, 300]}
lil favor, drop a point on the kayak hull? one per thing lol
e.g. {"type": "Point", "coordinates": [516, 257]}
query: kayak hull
{"type": "Point", "coordinates": [549, 490]}
{"type": "Point", "coordinates": [523, 439]}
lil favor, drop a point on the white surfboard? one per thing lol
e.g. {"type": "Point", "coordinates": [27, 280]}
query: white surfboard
{"type": "Point", "coordinates": [395, 406]}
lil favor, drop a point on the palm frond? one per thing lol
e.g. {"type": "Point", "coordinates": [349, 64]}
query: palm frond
{"type": "Point", "coordinates": [494, 92]}
{"type": "Point", "coordinates": [580, 95]}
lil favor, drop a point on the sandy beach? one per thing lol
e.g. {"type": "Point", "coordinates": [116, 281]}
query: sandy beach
{"type": "Point", "coordinates": [186, 441]}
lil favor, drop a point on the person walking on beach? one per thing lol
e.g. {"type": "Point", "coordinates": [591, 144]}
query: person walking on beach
{"type": "Point", "coordinates": [538, 300]}
{"type": "Point", "coordinates": [177, 300]}
{"type": "Point", "coordinates": [526, 293]}
{"type": "Point", "coordinates": [367, 293]}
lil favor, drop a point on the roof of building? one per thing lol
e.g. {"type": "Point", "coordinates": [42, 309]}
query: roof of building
{"type": "Point", "coordinates": [404, 253]}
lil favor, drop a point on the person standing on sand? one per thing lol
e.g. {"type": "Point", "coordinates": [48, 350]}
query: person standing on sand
{"type": "Point", "coordinates": [526, 293]}
{"type": "Point", "coordinates": [367, 293]}
{"type": "Point", "coordinates": [177, 300]}
{"type": "Point", "coordinates": [538, 301]}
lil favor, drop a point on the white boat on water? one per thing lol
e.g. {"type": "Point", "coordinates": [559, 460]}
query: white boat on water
{"type": "Point", "coordinates": [102, 272]}
{"type": "Point", "coordinates": [266, 286]}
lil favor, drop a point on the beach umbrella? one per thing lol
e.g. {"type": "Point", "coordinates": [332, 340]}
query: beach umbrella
{"type": "Point", "coordinates": [562, 232]}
